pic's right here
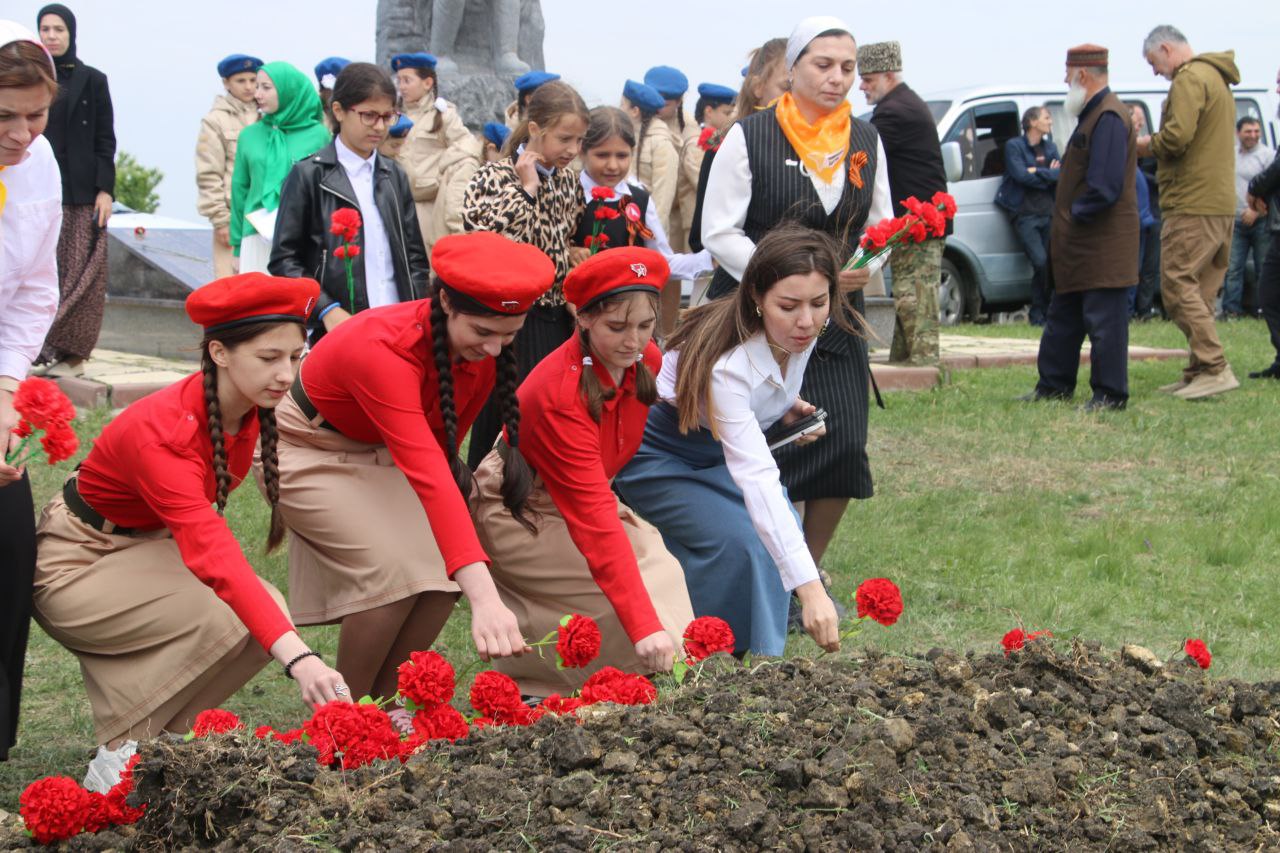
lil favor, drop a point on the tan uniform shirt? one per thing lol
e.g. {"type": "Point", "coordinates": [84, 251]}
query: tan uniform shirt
{"type": "Point", "coordinates": [687, 186]}
{"type": "Point", "coordinates": [423, 151]}
{"type": "Point", "coordinates": [658, 168]}
{"type": "Point", "coordinates": [216, 156]}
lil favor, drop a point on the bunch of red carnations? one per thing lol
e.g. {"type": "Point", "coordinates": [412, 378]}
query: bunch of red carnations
{"type": "Point", "coordinates": [45, 414]}
{"type": "Point", "coordinates": [922, 221]}
{"type": "Point", "coordinates": [56, 808]}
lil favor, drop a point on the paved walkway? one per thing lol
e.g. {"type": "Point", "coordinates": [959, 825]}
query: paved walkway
{"type": "Point", "coordinates": [116, 379]}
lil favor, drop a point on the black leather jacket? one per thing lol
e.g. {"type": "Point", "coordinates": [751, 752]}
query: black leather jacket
{"type": "Point", "coordinates": [1266, 186]}
{"type": "Point", "coordinates": [303, 246]}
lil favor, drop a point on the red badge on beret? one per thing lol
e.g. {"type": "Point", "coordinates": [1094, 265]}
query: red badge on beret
{"type": "Point", "coordinates": [252, 297]}
{"type": "Point", "coordinates": [615, 271]}
{"type": "Point", "coordinates": [500, 274]}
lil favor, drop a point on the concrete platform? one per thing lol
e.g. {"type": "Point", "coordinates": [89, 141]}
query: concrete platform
{"type": "Point", "coordinates": [113, 378]}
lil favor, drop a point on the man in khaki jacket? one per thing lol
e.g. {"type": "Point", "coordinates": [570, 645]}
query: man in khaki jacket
{"type": "Point", "coordinates": [231, 113]}
{"type": "Point", "coordinates": [1195, 155]}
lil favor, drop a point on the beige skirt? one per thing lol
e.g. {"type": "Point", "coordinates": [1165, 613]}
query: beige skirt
{"type": "Point", "coordinates": [359, 537]}
{"type": "Point", "coordinates": [543, 578]}
{"type": "Point", "coordinates": [143, 626]}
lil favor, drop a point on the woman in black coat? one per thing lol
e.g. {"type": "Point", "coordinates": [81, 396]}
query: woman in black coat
{"type": "Point", "coordinates": [82, 132]}
{"type": "Point", "coordinates": [392, 264]}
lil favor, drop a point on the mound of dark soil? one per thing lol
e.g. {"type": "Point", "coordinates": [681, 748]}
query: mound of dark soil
{"type": "Point", "coordinates": [1043, 750]}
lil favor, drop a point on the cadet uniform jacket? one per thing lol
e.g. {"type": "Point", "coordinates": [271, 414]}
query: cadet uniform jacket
{"type": "Point", "coordinates": [216, 156]}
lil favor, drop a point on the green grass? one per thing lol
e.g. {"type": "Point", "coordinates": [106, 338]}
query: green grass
{"type": "Point", "coordinates": [1146, 526]}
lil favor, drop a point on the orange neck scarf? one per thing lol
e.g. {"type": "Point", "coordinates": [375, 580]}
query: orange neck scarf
{"type": "Point", "coordinates": [822, 146]}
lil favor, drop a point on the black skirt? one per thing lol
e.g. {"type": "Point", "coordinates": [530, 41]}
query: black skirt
{"type": "Point", "coordinates": [17, 572]}
{"type": "Point", "coordinates": [545, 329]}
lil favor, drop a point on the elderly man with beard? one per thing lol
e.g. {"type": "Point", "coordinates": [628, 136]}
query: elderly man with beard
{"type": "Point", "coordinates": [1093, 245]}
{"type": "Point", "coordinates": [1195, 150]}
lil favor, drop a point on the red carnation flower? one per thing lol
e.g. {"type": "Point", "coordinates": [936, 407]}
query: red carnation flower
{"type": "Point", "coordinates": [119, 812]}
{"type": "Point", "coordinates": [945, 201]}
{"type": "Point", "coordinates": [707, 635]}
{"type": "Point", "coordinates": [54, 808]}
{"type": "Point", "coordinates": [214, 721]}
{"type": "Point", "coordinates": [601, 193]}
{"type": "Point", "coordinates": [557, 704]}
{"type": "Point", "coordinates": [426, 679]}
{"type": "Point", "coordinates": [289, 736]}
{"type": "Point", "coordinates": [353, 734]}
{"type": "Point", "coordinates": [603, 212]}
{"type": "Point", "coordinates": [42, 404]}
{"type": "Point", "coordinates": [59, 443]}
{"type": "Point", "coordinates": [918, 232]}
{"type": "Point", "coordinates": [1016, 639]}
{"type": "Point", "coordinates": [263, 732]}
{"type": "Point", "coordinates": [578, 641]}
{"type": "Point", "coordinates": [496, 695]}
{"type": "Point", "coordinates": [443, 722]}
{"type": "Point", "coordinates": [880, 599]}
{"type": "Point", "coordinates": [345, 222]}
{"type": "Point", "coordinates": [23, 429]}
{"type": "Point", "coordinates": [100, 815]}
{"type": "Point", "coordinates": [611, 684]}
{"type": "Point", "coordinates": [1198, 652]}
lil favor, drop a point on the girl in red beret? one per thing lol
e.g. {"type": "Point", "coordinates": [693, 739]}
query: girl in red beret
{"type": "Point", "coordinates": [562, 543]}
{"type": "Point", "coordinates": [138, 575]}
{"type": "Point", "coordinates": [370, 480]}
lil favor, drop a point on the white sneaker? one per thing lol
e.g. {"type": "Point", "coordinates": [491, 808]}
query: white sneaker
{"type": "Point", "coordinates": [107, 765]}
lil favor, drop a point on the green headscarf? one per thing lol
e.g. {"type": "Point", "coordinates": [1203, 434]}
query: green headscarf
{"type": "Point", "coordinates": [300, 113]}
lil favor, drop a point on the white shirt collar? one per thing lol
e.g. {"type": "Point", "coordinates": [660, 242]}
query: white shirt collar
{"type": "Point", "coordinates": [760, 355]}
{"type": "Point", "coordinates": [350, 160]}
{"type": "Point", "coordinates": [542, 170]}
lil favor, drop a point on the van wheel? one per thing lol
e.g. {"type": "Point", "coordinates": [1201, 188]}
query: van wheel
{"type": "Point", "coordinates": [952, 290]}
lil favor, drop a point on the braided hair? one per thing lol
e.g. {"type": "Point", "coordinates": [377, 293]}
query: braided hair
{"type": "Point", "coordinates": [518, 479]}
{"type": "Point", "coordinates": [268, 434]}
{"type": "Point", "coordinates": [594, 394]}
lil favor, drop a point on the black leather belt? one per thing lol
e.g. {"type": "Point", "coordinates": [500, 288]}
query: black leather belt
{"type": "Point", "coordinates": [309, 410]}
{"type": "Point", "coordinates": [89, 515]}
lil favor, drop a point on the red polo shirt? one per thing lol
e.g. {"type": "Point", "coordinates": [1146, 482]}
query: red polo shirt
{"type": "Point", "coordinates": [577, 458]}
{"type": "Point", "coordinates": [374, 378]}
{"type": "Point", "coordinates": [152, 467]}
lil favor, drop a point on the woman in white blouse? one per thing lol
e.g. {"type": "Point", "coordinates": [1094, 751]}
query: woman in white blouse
{"type": "Point", "coordinates": [704, 475]}
{"type": "Point", "coordinates": [30, 217]}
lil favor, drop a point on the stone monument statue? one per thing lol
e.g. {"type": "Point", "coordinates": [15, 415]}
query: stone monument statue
{"type": "Point", "coordinates": [480, 45]}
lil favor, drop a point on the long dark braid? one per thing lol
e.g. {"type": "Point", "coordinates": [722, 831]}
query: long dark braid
{"type": "Point", "coordinates": [448, 411]}
{"type": "Point", "coordinates": [220, 472]}
{"type": "Point", "coordinates": [517, 478]}
{"type": "Point", "coordinates": [267, 438]}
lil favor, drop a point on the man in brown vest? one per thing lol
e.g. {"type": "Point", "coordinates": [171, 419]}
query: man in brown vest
{"type": "Point", "coordinates": [1093, 243]}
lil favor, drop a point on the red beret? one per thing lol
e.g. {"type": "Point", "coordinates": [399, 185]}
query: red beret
{"type": "Point", "coordinates": [252, 297]}
{"type": "Point", "coordinates": [615, 271]}
{"type": "Point", "coordinates": [500, 274]}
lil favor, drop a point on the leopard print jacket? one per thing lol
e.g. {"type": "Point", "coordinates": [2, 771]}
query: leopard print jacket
{"type": "Point", "coordinates": [496, 201]}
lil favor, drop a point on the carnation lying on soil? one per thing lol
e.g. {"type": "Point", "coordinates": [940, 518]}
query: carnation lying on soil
{"type": "Point", "coordinates": [1050, 748]}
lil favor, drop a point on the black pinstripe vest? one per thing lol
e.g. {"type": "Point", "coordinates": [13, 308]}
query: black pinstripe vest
{"type": "Point", "coordinates": [780, 190]}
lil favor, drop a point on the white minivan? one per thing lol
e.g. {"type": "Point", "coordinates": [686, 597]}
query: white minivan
{"type": "Point", "coordinates": [983, 267]}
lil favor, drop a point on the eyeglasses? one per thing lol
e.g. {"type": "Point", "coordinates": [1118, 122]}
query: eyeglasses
{"type": "Point", "coordinates": [370, 118]}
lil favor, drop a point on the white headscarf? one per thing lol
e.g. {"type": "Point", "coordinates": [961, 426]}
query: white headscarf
{"type": "Point", "coordinates": [808, 30]}
{"type": "Point", "coordinates": [11, 31]}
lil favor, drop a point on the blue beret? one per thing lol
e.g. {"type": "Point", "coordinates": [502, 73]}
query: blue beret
{"type": "Point", "coordinates": [526, 83]}
{"type": "Point", "coordinates": [644, 97]}
{"type": "Point", "coordinates": [400, 128]}
{"type": "Point", "coordinates": [669, 82]}
{"type": "Point", "coordinates": [745, 70]}
{"type": "Point", "coordinates": [238, 63]}
{"type": "Point", "coordinates": [330, 65]}
{"type": "Point", "coordinates": [716, 94]}
{"type": "Point", "coordinates": [496, 133]}
{"type": "Point", "coordinates": [413, 60]}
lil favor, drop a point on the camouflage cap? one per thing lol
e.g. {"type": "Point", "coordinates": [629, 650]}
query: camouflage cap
{"type": "Point", "coordinates": [881, 56]}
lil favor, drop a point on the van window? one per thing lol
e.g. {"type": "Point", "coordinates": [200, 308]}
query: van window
{"type": "Point", "coordinates": [982, 133]}
{"type": "Point", "coordinates": [1064, 125]}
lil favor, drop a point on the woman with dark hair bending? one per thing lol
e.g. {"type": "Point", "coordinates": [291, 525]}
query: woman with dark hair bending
{"type": "Point", "coordinates": [562, 543]}
{"type": "Point", "coordinates": [704, 475]}
{"type": "Point", "coordinates": [138, 575]}
{"type": "Point", "coordinates": [349, 173]}
{"type": "Point", "coordinates": [369, 443]}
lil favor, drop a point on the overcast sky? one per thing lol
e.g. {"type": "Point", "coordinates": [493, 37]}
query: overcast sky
{"type": "Point", "coordinates": [161, 55]}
